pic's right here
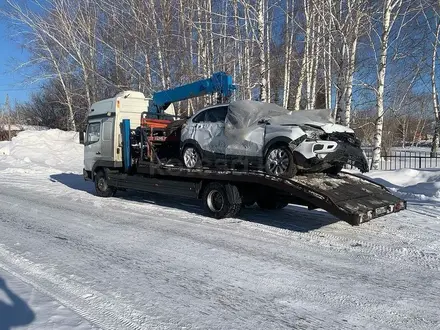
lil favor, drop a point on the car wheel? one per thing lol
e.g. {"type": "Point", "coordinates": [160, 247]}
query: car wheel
{"type": "Point", "coordinates": [101, 186]}
{"type": "Point", "coordinates": [279, 162]}
{"type": "Point", "coordinates": [191, 157]}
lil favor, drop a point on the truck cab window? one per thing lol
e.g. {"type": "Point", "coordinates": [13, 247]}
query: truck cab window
{"type": "Point", "coordinates": [93, 133]}
{"type": "Point", "coordinates": [107, 129]}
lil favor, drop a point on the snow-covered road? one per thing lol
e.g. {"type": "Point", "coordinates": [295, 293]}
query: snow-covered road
{"type": "Point", "coordinates": [147, 262]}
{"type": "Point", "coordinates": [133, 263]}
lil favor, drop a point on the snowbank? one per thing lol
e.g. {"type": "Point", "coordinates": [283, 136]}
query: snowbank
{"type": "Point", "coordinates": [423, 184]}
{"type": "Point", "coordinates": [41, 151]}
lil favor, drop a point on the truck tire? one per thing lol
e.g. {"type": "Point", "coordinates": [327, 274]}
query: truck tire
{"type": "Point", "coordinates": [101, 186]}
{"type": "Point", "coordinates": [271, 204]}
{"type": "Point", "coordinates": [218, 203]}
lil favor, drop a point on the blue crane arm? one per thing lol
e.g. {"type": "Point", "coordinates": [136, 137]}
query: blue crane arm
{"type": "Point", "coordinates": [220, 83]}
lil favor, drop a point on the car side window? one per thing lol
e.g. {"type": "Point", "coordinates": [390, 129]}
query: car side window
{"type": "Point", "coordinates": [215, 115]}
{"type": "Point", "coordinates": [200, 117]}
{"type": "Point", "coordinates": [93, 133]}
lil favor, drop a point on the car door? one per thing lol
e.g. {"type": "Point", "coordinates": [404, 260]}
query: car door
{"type": "Point", "coordinates": [199, 129]}
{"type": "Point", "coordinates": [215, 119]}
{"type": "Point", "coordinates": [246, 142]}
{"type": "Point", "coordinates": [92, 145]}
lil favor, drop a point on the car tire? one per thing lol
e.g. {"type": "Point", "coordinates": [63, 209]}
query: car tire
{"type": "Point", "coordinates": [216, 201]}
{"type": "Point", "coordinates": [279, 162]}
{"type": "Point", "coordinates": [191, 157]}
{"type": "Point", "coordinates": [271, 204]}
{"type": "Point", "coordinates": [101, 186]}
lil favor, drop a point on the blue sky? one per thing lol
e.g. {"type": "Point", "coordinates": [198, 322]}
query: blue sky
{"type": "Point", "coordinates": [11, 55]}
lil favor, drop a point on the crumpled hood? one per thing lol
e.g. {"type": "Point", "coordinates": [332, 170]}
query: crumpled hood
{"type": "Point", "coordinates": [331, 128]}
{"type": "Point", "coordinates": [314, 120]}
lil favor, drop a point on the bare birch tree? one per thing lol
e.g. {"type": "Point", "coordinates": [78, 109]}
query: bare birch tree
{"type": "Point", "coordinates": [390, 11]}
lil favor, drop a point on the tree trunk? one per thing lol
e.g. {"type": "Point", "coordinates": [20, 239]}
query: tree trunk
{"type": "Point", "coordinates": [349, 81]}
{"type": "Point", "coordinates": [163, 78]}
{"type": "Point", "coordinates": [287, 54]}
{"type": "Point", "coordinates": [305, 59]}
{"type": "Point", "coordinates": [238, 49]}
{"type": "Point", "coordinates": [434, 94]}
{"type": "Point", "coordinates": [247, 56]}
{"type": "Point", "coordinates": [268, 34]}
{"type": "Point", "coordinates": [261, 49]}
{"type": "Point", "coordinates": [387, 22]}
{"type": "Point", "coordinates": [328, 59]}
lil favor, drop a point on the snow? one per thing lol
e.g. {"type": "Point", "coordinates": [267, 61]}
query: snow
{"type": "Point", "coordinates": [141, 261]}
{"type": "Point", "coordinates": [23, 307]}
{"type": "Point", "coordinates": [410, 183]}
{"type": "Point", "coordinates": [32, 151]}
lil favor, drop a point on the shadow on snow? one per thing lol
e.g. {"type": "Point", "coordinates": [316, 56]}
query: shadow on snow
{"type": "Point", "coordinates": [16, 313]}
{"type": "Point", "coordinates": [295, 218]}
{"type": "Point", "coordinates": [74, 181]}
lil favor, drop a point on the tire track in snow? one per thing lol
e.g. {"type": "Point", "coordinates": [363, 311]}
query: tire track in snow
{"type": "Point", "coordinates": [316, 294]}
{"type": "Point", "coordinates": [364, 249]}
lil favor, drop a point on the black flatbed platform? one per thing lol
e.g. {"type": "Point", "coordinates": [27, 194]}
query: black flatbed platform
{"type": "Point", "coordinates": [349, 197]}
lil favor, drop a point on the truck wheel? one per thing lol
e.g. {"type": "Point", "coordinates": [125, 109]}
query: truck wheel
{"type": "Point", "coordinates": [217, 203]}
{"type": "Point", "coordinates": [271, 204]}
{"type": "Point", "coordinates": [191, 157]}
{"type": "Point", "coordinates": [101, 186]}
{"type": "Point", "coordinates": [279, 162]}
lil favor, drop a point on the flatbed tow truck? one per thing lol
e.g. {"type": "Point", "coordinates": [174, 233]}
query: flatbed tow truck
{"type": "Point", "coordinates": [114, 160]}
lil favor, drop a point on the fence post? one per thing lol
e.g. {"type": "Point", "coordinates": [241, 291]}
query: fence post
{"type": "Point", "coordinates": [420, 161]}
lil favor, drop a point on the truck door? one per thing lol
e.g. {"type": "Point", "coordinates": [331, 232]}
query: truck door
{"type": "Point", "coordinates": [107, 140]}
{"type": "Point", "coordinates": [92, 144]}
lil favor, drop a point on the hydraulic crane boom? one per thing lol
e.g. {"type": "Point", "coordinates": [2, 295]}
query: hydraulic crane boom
{"type": "Point", "coordinates": [220, 83]}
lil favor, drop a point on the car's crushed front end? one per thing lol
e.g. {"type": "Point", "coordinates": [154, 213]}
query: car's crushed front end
{"type": "Point", "coordinates": [329, 146]}
{"type": "Point", "coordinates": [348, 151]}
{"type": "Point", "coordinates": [316, 142]}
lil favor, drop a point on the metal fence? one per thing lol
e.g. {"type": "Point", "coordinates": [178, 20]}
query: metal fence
{"type": "Point", "coordinates": [395, 160]}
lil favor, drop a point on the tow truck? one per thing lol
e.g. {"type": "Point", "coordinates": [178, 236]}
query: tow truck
{"type": "Point", "coordinates": [130, 144]}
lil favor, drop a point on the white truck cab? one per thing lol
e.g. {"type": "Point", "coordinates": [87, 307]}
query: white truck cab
{"type": "Point", "coordinates": [103, 142]}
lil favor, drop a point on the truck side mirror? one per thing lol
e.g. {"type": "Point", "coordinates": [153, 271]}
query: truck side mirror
{"type": "Point", "coordinates": [81, 137]}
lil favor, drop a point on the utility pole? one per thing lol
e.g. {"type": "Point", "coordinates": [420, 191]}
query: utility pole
{"type": "Point", "coordinates": [8, 109]}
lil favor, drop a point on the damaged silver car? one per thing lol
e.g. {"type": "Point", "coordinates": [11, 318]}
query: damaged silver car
{"type": "Point", "coordinates": [263, 135]}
